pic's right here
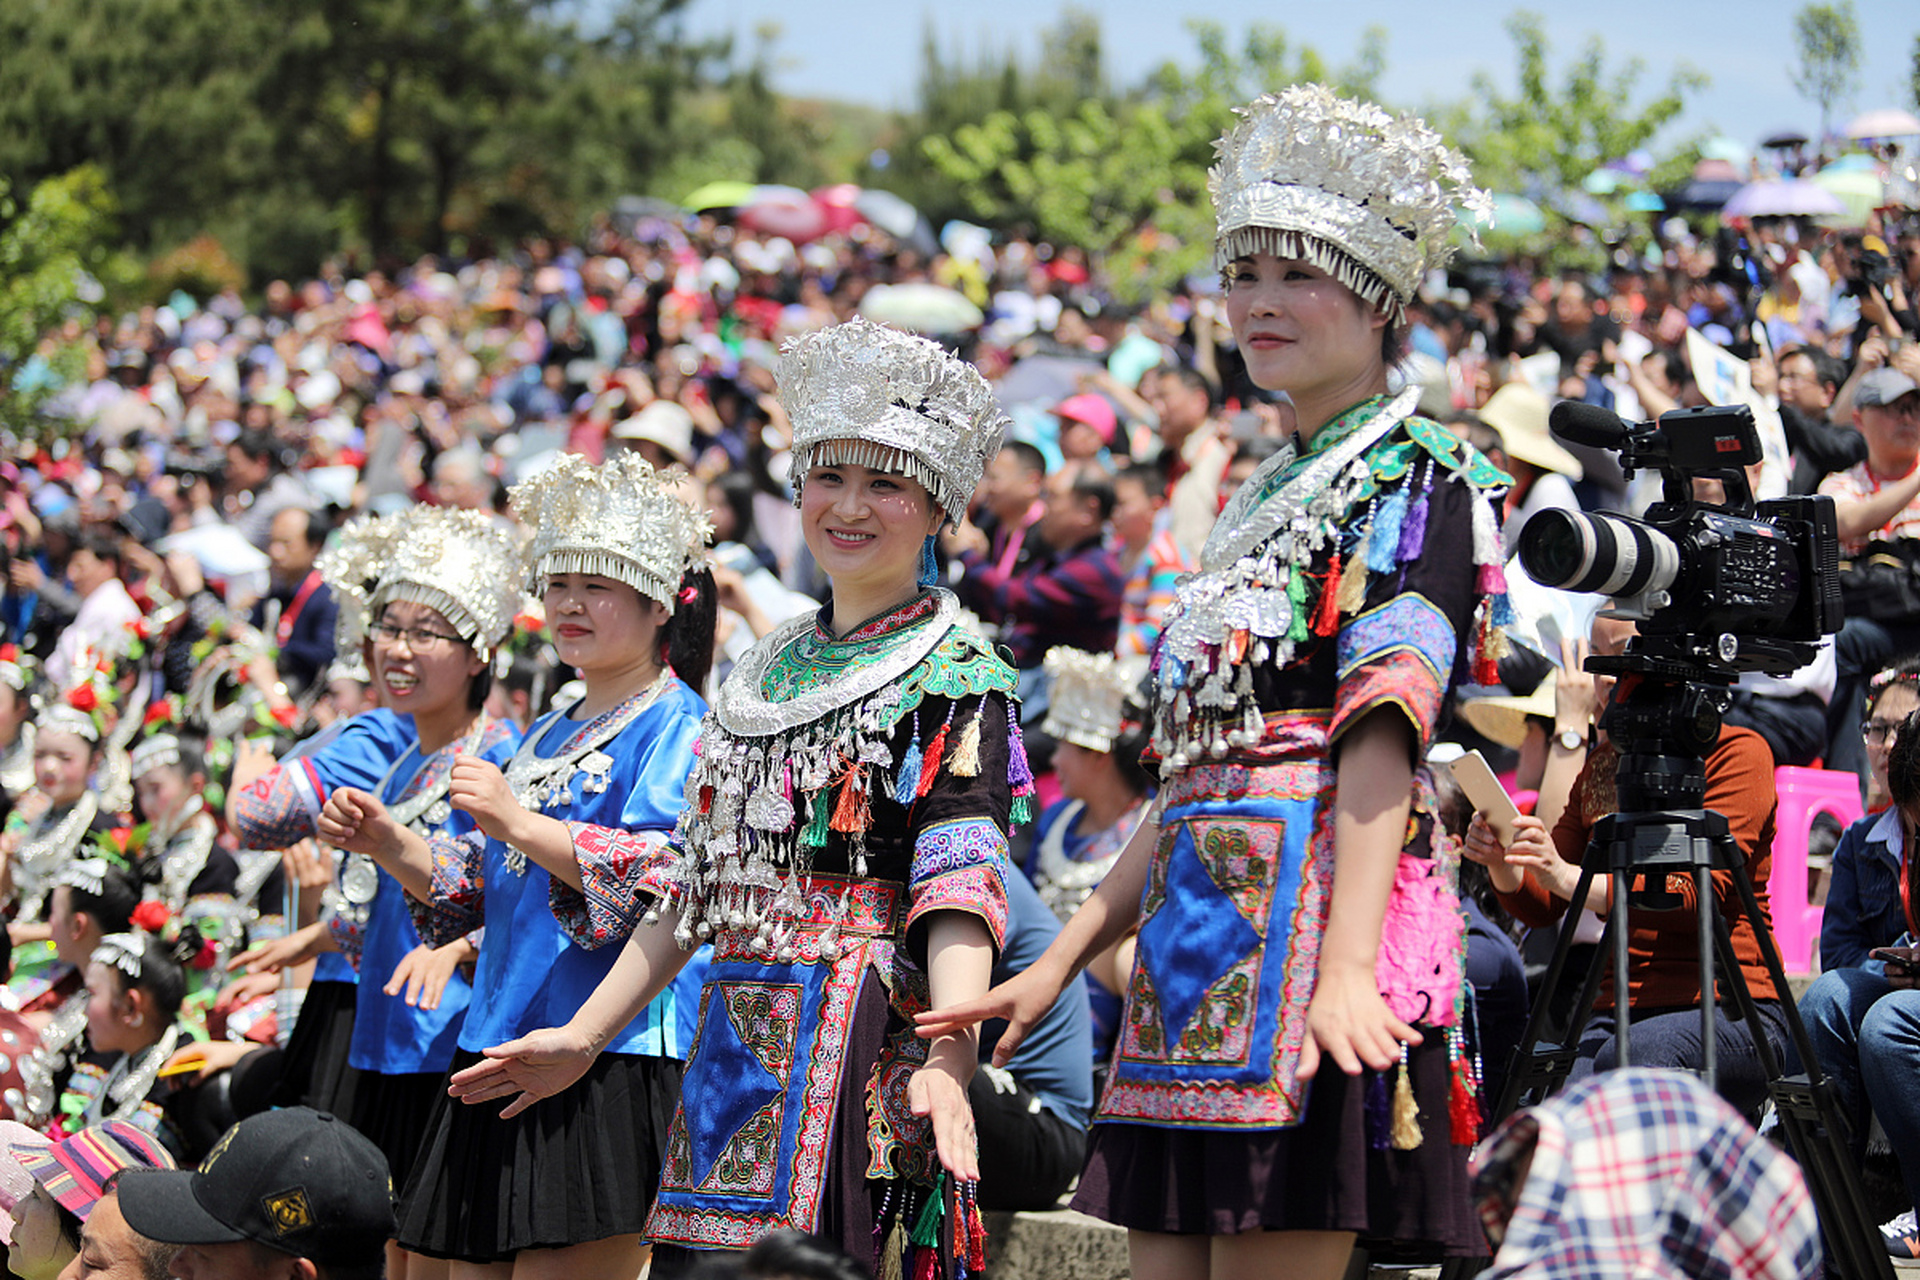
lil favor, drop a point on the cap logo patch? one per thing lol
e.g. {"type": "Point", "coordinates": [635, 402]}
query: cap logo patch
{"type": "Point", "coordinates": [288, 1211]}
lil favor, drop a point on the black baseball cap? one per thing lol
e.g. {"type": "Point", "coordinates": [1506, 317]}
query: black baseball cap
{"type": "Point", "coordinates": [298, 1180]}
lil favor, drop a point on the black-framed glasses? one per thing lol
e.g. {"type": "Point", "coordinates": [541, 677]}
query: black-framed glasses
{"type": "Point", "coordinates": [419, 639]}
{"type": "Point", "coordinates": [1878, 730]}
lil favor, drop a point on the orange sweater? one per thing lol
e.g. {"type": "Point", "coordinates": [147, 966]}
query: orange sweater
{"type": "Point", "coordinates": [1663, 963]}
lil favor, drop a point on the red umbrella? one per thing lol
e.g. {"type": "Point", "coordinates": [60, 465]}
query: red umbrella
{"type": "Point", "coordinates": [785, 211]}
{"type": "Point", "coordinates": [838, 201]}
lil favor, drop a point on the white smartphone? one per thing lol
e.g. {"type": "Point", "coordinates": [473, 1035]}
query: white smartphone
{"type": "Point", "coordinates": [1474, 777]}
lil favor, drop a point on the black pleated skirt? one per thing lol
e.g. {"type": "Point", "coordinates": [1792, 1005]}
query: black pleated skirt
{"type": "Point", "coordinates": [1325, 1174]}
{"type": "Point", "coordinates": [393, 1111]}
{"type": "Point", "coordinates": [316, 1071]}
{"type": "Point", "coordinates": [580, 1166]}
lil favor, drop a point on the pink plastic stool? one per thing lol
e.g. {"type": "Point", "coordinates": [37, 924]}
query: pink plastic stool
{"type": "Point", "coordinates": [1803, 793]}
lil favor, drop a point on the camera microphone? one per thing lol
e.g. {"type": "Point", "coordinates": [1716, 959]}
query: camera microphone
{"type": "Point", "coordinates": [1587, 424]}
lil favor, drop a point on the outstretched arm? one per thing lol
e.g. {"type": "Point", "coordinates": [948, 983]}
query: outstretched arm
{"type": "Point", "coordinates": [959, 967]}
{"type": "Point", "coordinates": [1025, 998]}
{"type": "Point", "coordinates": [542, 1063]}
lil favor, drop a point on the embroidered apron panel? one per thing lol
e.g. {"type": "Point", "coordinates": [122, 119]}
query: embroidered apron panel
{"type": "Point", "coordinates": [1232, 915]}
{"type": "Point", "coordinates": [766, 1063]}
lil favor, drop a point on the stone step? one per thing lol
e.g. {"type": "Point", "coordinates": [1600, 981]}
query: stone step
{"type": "Point", "coordinates": [1064, 1245]}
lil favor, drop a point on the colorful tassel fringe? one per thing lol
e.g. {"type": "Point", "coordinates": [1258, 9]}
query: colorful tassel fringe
{"type": "Point", "coordinates": [1383, 540]}
{"type": "Point", "coordinates": [1326, 612]}
{"type": "Point", "coordinates": [936, 751]}
{"type": "Point", "coordinates": [966, 752]}
{"type": "Point", "coordinates": [907, 777]}
{"type": "Point", "coordinates": [1406, 1112]}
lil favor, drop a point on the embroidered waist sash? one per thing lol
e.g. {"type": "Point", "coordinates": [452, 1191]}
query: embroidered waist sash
{"type": "Point", "coordinates": [766, 1066]}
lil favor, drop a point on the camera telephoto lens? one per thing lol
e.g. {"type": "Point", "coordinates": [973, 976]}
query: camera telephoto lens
{"type": "Point", "coordinates": [1610, 554]}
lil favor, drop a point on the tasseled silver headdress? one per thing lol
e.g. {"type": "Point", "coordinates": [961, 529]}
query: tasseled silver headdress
{"type": "Point", "coordinates": [619, 520]}
{"type": "Point", "coordinates": [1365, 196]}
{"type": "Point", "coordinates": [126, 952]}
{"type": "Point", "coordinates": [861, 394]}
{"type": "Point", "coordinates": [461, 564]}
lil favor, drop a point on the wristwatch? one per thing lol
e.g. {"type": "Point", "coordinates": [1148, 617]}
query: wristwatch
{"type": "Point", "coordinates": [1572, 739]}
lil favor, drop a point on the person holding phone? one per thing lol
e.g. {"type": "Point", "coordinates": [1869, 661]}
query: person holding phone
{"type": "Point", "coordinates": [1864, 1021]}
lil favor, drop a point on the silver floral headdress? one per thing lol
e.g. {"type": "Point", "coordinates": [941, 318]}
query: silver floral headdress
{"type": "Point", "coordinates": [156, 752]}
{"type": "Point", "coordinates": [1366, 196]}
{"type": "Point", "coordinates": [63, 717]}
{"type": "Point", "coordinates": [619, 520]}
{"type": "Point", "coordinates": [1087, 696]}
{"type": "Point", "coordinates": [461, 564]}
{"type": "Point", "coordinates": [16, 669]}
{"type": "Point", "coordinates": [861, 394]}
{"type": "Point", "coordinates": [126, 952]}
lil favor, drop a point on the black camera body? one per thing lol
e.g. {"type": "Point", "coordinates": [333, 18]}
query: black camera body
{"type": "Point", "coordinates": [1721, 587]}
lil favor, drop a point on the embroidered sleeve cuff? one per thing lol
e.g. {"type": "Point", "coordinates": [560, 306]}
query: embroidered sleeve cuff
{"type": "Point", "coordinates": [957, 866]}
{"type": "Point", "coordinates": [617, 868]}
{"type": "Point", "coordinates": [458, 901]}
{"type": "Point", "coordinates": [1402, 654]}
{"type": "Point", "coordinates": [348, 939]}
{"type": "Point", "coordinates": [278, 808]}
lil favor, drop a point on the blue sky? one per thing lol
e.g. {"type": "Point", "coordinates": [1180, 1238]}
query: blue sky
{"type": "Point", "coordinates": [868, 50]}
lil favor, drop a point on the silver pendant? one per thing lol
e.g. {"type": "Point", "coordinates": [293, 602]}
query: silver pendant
{"type": "Point", "coordinates": [359, 880]}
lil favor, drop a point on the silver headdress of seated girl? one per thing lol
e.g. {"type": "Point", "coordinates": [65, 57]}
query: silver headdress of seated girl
{"type": "Point", "coordinates": [1365, 196]}
{"type": "Point", "coordinates": [63, 717]}
{"type": "Point", "coordinates": [156, 752]}
{"type": "Point", "coordinates": [126, 952]}
{"type": "Point", "coordinates": [619, 520]}
{"type": "Point", "coordinates": [1087, 696]}
{"type": "Point", "coordinates": [461, 564]}
{"type": "Point", "coordinates": [861, 394]}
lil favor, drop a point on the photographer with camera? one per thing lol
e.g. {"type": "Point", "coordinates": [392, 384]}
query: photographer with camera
{"type": "Point", "coordinates": [1536, 876]}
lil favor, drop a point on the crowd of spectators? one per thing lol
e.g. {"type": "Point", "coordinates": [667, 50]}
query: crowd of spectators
{"type": "Point", "coordinates": [170, 527]}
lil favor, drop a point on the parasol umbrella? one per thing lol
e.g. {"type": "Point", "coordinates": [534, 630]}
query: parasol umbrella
{"type": "Point", "coordinates": [1606, 180]}
{"type": "Point", "coordinates": [720, 195]}
{"type": "Point", "coordinates": [1733, 151]}
{"type": "Point", "coordinates": [785, 211]}
{"type": "Point", "coordinates": [1042, 379]}
{"type": "Point", "coordinates": [1783, 139]}
{"type": "Point", "coordinates": [221, 550]}
{"type": "Point", "coordinates": [1782, 198]}
{"type": "Point", "coordinates": [1857, 190]}
{"type": "Point", "coordinates": [921, 307]}
{"type": "Point", "coordinates": [1644, 202]}
{"type": "Point", "coordinates": [1887, 122]}
{"type": "Point", "coordinates": [837, 202]}
{"type": "Point", "coordinates": [634, 208]}
{"type": "Point", "coordinates": [897, 218]}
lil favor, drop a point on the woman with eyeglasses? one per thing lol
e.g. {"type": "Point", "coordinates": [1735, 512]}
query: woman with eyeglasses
{"type": "Point", "coordinates": [562, 1190]}
{"type": "Point", "coordinates": [1864, 907]}
{"type": "Point", "coordinates": [440, 587]}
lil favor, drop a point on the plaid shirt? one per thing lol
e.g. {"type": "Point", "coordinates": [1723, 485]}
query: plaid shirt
{"type": "Point", "coordinates": [1640, 1173]}
{"type": "Point", "coordinates": [1065, 597]}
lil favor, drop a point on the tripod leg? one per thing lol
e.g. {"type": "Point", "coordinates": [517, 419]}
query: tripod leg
{"type": "Point", "coordinates": [1531, 1068]}
{"type": "Point", "coordinates": [1706, 917]}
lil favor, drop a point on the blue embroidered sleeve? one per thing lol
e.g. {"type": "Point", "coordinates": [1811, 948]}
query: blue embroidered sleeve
{"type": "Point", "coordinates": [459, 898]}
{"type": "Point", "coordinates": [278, 808]}
{"type": "Point", "coordinates": [957, 866]}
{"type": "Point", "coordinates": [281, 807]}
{"type": "Point", "coordinates": [616, 869]}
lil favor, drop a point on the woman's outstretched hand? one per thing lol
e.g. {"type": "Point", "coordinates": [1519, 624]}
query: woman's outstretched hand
{"type": "Point", "coordinates": [537, 1065]}
{"type": "Point", "coordinates": [1348, 1020]}
{"type": "Point", "coordinates": [1022, 1000]}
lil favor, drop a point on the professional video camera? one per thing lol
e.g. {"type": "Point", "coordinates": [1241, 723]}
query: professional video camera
{"type": "Point", "coordinates": [1725, 586]}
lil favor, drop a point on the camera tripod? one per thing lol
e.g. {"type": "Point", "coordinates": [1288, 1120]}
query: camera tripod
{"type": "Point", "coordinates": [1697, 841]}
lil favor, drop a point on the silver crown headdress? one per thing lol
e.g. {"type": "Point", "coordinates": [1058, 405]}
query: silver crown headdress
{"type": "Point", "coordinates": [1366, 196]}
{"type": "Point", "coordinates": [157, 752]}
{"type": "Point", "coordinates": [1087, 696]}
{"type": "Point", "coordinates": [126, 952]}
{"type": "Point", "coordinates": [461, 564]}
{"type": "Point", "coordinates": [619, 520]}
{"type": "Point", "coordinates": [861, 394]}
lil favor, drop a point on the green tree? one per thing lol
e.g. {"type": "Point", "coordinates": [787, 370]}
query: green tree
{"type": "Point", "coordinates": [1827, 38]}
{"type": "Point", "coordinates": [1558, 127]}
{"type": "Point", "coordinates": [56, 258]}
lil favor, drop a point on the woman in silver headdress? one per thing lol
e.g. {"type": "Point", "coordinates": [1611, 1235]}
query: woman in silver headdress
{"type": "Point", "coordinates": [562, 1191]}
{"type": "Point", "coordinates": [842, 847]}
{"type": "Point", "coordinates": [55, 816]}
{"type": "Point", "coordinates": [426, 596]}
{"type": "Point", "coordinates": [1289, 1074]}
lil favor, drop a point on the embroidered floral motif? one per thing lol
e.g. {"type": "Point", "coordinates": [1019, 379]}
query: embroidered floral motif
{"type": "Point", "coordinates": [748, 1161]}
{"type": "Point", "coordinates": [456, 905]}
{"type": "Point", "coordinates": [1407, 624]}
{"type": "Point", "coordinates": [1400, 680]}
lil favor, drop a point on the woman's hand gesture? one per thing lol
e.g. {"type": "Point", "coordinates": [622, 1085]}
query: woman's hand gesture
{"type": "Point", "coordinates": [934, 1092]}
{"type": "Point", "coordinates": [1348, 1020]}
{"type": "Point", "coordinates": [1022, 1000]}
{"type": "Point", "coordinates": [423, 973]}
{"type": "Point", "coordinates": [537, 1065]}
{"type": "Point", "coordinates": [356, 822]}
{"type": "Point", "coordinates": [479, 788]}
